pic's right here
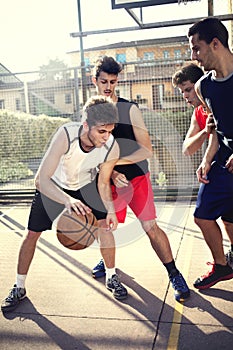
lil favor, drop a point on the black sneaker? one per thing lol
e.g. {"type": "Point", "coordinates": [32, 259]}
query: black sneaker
{"type": "Point", "coordinates": [217, 274]}
{"type": "Point", "coordinates": [13, 299]}
{"type": "Point", "coordinates": [229, 257]}
{"type": "Point", "coordinates": [180, 287]}
{"type": "Point", "coordinates": [114, 285]}
{"type": "Point", "coordinates": [99, 270]}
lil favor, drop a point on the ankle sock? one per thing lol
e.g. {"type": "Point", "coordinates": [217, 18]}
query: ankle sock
{"type": "Point", "coordinates": [20, 280]}
{"type": "Point", "coordinates": [171, 268]}
{"type": "Point", "coordinates": [110, 272]}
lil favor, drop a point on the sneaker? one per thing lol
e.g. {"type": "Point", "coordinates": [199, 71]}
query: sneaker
{"type": "Point", "coordinates": [182, 291]}
{"type": "Point", "coordinates": [217, 274]}
{"type": "Point", "coordinates": [13, 299]}
{"type": "Point", "coordinates": [114, 285]}
{"type": "Point", "coordinates": [229, 257]}
{"type": "Point", "coordinates": [99, 270]}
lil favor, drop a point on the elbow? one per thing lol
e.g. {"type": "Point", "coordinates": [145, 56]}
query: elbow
{"type": "Point", "coordinates": [37, 182]}
{"type": "Point", "coordinates": [186, 151]}
{"type": "Point", "coordinates": [150, 154]}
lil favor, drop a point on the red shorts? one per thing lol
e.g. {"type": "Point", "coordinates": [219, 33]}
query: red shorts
{"type": "Point", "coordinates": [138, 195]}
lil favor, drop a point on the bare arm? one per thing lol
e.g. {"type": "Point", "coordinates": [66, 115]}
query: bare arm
{"type": "Point", "coordinates": [213, 144]}
{"type": "Point", "coordinates": [50, 161]}
{"type": "Point", "coordinates": [194, 138]}
{"type": "Point", "coordinates": [104, 186]}
{"type": "Point", "coordinates": [142, 138]}
{"type": "Point", "coordinates": [210, 152]}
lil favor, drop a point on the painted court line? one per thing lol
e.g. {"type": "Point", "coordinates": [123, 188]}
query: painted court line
{"type": "Point", "coordinates": [178, 309]}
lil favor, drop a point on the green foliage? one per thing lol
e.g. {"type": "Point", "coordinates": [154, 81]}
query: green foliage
{"type": "Point", "coordinates": [178, 120]}
{"type": "Point", "coordinates": [23, 137]}
{"type": "Point", "coordinates": [55, 69]}
{"type": "Point", "coordinates": [12, 170]}
{"type": "Point", "coordinates": [161, 180]}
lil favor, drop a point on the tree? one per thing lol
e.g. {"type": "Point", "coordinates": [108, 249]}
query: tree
{"type": "Point", "coordinates": [55, 69]}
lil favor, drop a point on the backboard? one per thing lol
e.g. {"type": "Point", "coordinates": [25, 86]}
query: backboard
{"type": "Point", "coordinates": [117, 4]}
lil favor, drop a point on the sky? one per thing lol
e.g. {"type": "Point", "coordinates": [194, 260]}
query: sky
{"type": "Point", "coordinates": [34, 31]}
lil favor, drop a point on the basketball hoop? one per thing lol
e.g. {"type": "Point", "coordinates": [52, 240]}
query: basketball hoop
{"type": "Point", "coordinates": [185, 1]}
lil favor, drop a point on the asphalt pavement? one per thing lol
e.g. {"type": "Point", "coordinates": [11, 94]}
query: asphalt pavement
{"type": "Point", "coordinates": [67, 309]}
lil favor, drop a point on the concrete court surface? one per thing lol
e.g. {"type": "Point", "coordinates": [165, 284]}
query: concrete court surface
{"type": "Point", "coordinates": [67, 309]}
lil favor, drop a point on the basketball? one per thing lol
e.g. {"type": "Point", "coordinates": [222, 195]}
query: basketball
{"type": "Point", "coordinates": [76, 232]}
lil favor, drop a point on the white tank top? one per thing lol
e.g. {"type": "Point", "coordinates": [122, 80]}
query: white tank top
{"type": "Point", "coordinates": [78, 168]}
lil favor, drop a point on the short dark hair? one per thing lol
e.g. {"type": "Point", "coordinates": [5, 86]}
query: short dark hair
{"type": "Point", "coordinates": [108, 65]}
{"type": "Point", "coordinates": [100, 110]}
{"type": "Point", "coordinates": [208, 29]}
{"type": "Point", "coordinates": [190, 72]}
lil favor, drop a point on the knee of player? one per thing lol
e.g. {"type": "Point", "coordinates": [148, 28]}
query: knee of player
{"type": "Point", "coordinates": [150, 227]}
{"type": "Point", "coordinates": [32, 236]}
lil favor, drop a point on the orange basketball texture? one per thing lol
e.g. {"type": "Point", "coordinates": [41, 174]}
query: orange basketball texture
{"type": "Point", "coordinates": [76, 232]}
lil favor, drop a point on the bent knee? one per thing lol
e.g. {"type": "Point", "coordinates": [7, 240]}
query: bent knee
{"type": "Point", "coordinates": [150, 225]}
{"type": "Point", "coordinates": [32, 235]}
{"type": "Point", "coordinates": [228, 225]}
{"type": "Point", "coordinates": [199, 222]}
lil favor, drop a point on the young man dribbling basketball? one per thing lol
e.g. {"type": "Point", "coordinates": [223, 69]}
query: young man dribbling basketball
{"type": "Point", "coordinates": [67, 178]}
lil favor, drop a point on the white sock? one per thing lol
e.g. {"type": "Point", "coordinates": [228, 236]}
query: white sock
{"type": "Point", "coordinates": [110, 272]}
{"type": "Point", "coordinates": [20, 280]}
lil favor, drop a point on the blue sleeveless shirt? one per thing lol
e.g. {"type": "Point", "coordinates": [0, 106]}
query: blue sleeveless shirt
{"type": "Point", "coordinates": [218, 96]}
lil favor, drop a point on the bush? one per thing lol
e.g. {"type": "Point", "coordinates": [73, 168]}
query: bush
{"type": "Point", "coordinates": [13, 171]}
{"type": "Point", "coordinates": [24, 136]}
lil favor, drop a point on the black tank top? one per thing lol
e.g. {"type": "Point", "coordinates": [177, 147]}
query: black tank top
{"type": "Point", "coordinates": [124, 134]}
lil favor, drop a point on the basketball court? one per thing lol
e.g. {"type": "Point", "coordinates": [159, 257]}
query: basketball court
{"type": "Point", "coordinates": [67, 309]}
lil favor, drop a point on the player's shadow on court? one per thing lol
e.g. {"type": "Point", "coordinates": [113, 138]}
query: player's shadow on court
{"type": "Point", "coordinates": [195, 301]}
{"type": "Point", "coordinates": [27, 311]}
{"type": "Point", "coordinates": [218, 293]}
{"type": "Point", "coordinates": [146, 303]}
{"type": "Point", "coordinates": [156, 311]}
{"type": "Point", "coordinates": [198, 338]}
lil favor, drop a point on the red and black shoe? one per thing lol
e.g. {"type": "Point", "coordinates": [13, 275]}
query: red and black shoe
{"type": "Point", "coordinates": [217, 274]}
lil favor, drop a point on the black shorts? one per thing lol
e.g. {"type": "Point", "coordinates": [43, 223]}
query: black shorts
{"type": "Point", "coordinates": [44, 210]}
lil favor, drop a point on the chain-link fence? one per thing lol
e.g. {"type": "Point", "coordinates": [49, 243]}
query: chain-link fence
{"type": "Point", "coordinates": [32, 109]}
{"type": "Point", "coordinates": [32, 106]}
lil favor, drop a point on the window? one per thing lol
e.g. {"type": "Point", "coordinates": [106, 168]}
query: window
{"type": "Point", "coordinates": [68, 99]}
{"type": "Point", "coordinates": [177, 54]}
{"type": "Point", "coordinates": [166, 55]}
{"type": "Point", "coordinates": [147, 56]}
{"type": "Point", "coordinates": [121, 57]}
{"type": "Point", "coordinates": [2, 104]}
{"type": "Point", "coordinates": [17, 104]}
{"type": "Point", "coordinates": [87, 63]}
